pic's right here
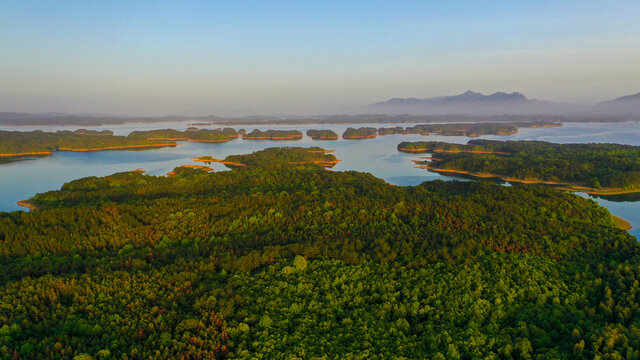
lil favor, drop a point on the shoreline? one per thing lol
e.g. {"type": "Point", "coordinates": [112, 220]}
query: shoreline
{"type": "Point", "coordinates": [451, 151]}
{"type": "Point", "coordinates": [26, 203]}
{"type": "Point", "coordinates": [27, 154]}
{"type": "Point", "coordinates": [618, 221]}
{"type": "Point", "coordinates": [621, 223]}
{"type": "Point", "coordinates": [191, 166]}
{"type": "Point", "coordinates": [359, 137]}
{"type": "Point", "coordinates": [563, 186]}
{"type": "Point", "coordinates": [324, 137]}
{"type": "Point", "coordinates": [206, 160]}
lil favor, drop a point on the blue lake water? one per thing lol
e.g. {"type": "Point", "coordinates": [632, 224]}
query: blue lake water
{"type": "Point", "coordinates": [22, 179]}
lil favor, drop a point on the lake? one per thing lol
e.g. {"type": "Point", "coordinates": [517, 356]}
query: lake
{"type": "Point", "coordinates": [20, 180]}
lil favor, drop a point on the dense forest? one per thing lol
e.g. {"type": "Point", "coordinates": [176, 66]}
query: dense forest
{"type": "Point", "coordinates": [360, 133]}
{"type": "Point", "coordinates": [596, 166]}
{"type": "Point", "coordinates": [17, 143]}
{"type": "Point", "coordinates": [273, 135]}
{"type": "Point", "coordinates": [278, 259]}
{"type": "Point", "coordinates": [322, 134]}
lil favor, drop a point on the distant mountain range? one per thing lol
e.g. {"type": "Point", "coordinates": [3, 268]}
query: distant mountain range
{"type": "Point", "coordinates": [468, 106]}
{"type": "Point", "coordinates": [499, 103]}
{"type": "Point", "coordinates": [629, 104]}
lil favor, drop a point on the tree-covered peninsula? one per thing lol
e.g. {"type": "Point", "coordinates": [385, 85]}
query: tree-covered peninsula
{"type": "Point", "coordinates": [15, 144]}
{"type": "Point", "coordinates": [24, 143]}
{"type": "Point", "coordinates": [278, 259]}
{"type": "Point", "coordinates": [597, 168]}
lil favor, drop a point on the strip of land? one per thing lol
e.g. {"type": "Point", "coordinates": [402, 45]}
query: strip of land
{"type": "Point", "coordinates": [599, 169]}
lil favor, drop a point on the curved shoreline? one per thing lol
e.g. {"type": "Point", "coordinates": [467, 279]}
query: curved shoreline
{"type": "Point", "coordinates": [190, 166]}
{"type": "Point", "coordinates": [622, 223]}
{"type": "Point", "coordinates": [563, 186]}
{"type": "Point", "coordinates": [26, 203]}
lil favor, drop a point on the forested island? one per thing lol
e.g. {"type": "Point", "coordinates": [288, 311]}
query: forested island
{"type": "Point", "coordinates": [322, 134]}
{"type": "Point", "coordinates": [191, 134]}
{"type": "Point", "coordinates": [276, 157]}
{"type": "Point", "coordinates": [469, 129]}
{"type": "Point", "coordinates": [273, 135]}
{"type": "Point", "coordinates": [284, 260]}
{"type": "Point", "coordinates": [593, 168]}
{"type": "Point", "coordinates": [360, 133]}
{"type": "Point", "coordinates": [25, 143]}
{"type": "Point", "coordinates": [393, 130]}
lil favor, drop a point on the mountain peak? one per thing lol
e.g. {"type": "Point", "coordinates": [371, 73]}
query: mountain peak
{"type": "Point", "coordinates": [471, 102]}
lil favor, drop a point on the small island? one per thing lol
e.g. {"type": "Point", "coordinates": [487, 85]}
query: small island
{"type": "Point", "coordinates": [273, 135]}
{"type": "Point", "coordinates": [322, 134]}
{"type": "Point", "coordinates": [393, 130]}
{"type": "Point", "coordinates": [360, 133]}
{"type": "Point", "coordinates": [280, 157]}
{"type": "Point", "coordinates": [603, 169]}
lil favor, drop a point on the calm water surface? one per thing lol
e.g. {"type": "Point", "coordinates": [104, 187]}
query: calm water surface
{"type": "Point", "coordinates": [22, 179]}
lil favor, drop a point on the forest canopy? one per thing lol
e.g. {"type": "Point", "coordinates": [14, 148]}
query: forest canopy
{"type": "Point", "coordinates": [294, 261]}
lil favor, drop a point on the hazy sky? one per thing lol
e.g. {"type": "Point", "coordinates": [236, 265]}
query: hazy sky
{"type": "Point", "coordinates": [242, 57]}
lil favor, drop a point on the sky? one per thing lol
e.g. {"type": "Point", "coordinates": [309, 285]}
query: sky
{"type": "Point", "coordinates": [308, 57]}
